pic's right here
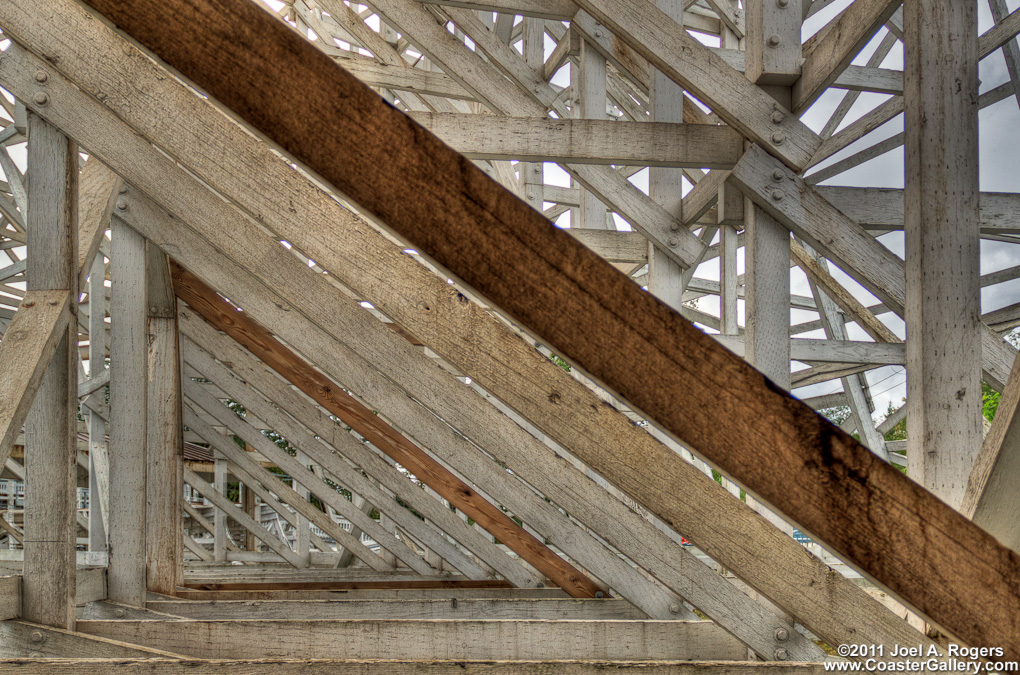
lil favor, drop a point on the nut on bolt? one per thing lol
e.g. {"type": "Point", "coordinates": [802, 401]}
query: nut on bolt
{"type": "Point", "coordinates": [675, 608]}
{"type": "Point", "coordinates": [781, 654]}
{"type": "Point", "coordinates": [782, 635]}
{"type": "Point", "coordinates": [778, 137]}
{"type": "Point", "coordinates": [778, 116]}
{"type": "Point", "coordinates": [37, 636]}
{"type": "Point", "coordinates": [41, 98]}
{"type": "Point", "coordinates": [774, 40]}
{"type": "Point", "coordinates": [41, 76]}
{"type": "Point", "coordinates": [778, 175]}
{"type": "Point", "coordinates": [777, 195]}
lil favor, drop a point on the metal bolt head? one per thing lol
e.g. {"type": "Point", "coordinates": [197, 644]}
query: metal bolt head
{"type": "Point", "coordinates": [37, 636]}
{"type": "Point", "coordinates": [783, 3]}
{"type": "Point", "coordinates": [598, 33]}
{"type": "Point", "coordinates": [672, 241]}
{"type": "Point", "coordinates": [599, 594]}
{"type": "Point", "coordinates": [781, 654]}
{"type": "Point", "coordinates": [774, 40]}
{"type": "Point", "coordinates": [29, 303]}
{"type": "Point", "coordinates": [778, 117]}
{"type": "Point", "coordinates": [119, 613]}
{"type": "Point", "coordinates": [778, 137]}
{"type": "Point", "coordinates": [121, 205]}
{"type": "Point", "coordinates": [152, 309]}
{"type": "Point", "coordinates": [778, 175]}
{"type": "Point", "coordinates": [52, 303]}
{"type": "Point", "coordinates": [675, 608]}
{"type": "Point", "coordinates": [41, 76]}
{"type": "Point", "coordinates": [782, 635]}
{"type": "Point", "coordinates": [675, 226]}
{"type": "Point", "coordinates": [123, 189]}
{"type": "Point", "coordinates": [41, 98]}
{"type": "Point", "coordinates": [777, 195]}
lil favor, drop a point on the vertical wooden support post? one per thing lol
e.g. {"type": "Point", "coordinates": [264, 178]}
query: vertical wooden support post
{"type": "Point", "coordinates": [48, 585]}
{"type": "Point", "coordinates": [302, 538]}
{"type": "Point", "coordinates": [590, 85]}
{"type": "Point", "coordinates": [666, 98]}
{"type": "Point", "coordinates": [128, 410]}
{"type": "Point", "coordinates": [532, 174]}
{"type": "Point", "coordinates": [164, 483]}
{"type": "Point", "coordinates": [99, 466]}
{"type": "Point", "coordinates": [219, 517]}
{"type": "Point", "coordinates": [249, 506]}
{"type": "Point", "coordinates": [944, 429]}
{"type": "Point", "coordinates": [773, 41]}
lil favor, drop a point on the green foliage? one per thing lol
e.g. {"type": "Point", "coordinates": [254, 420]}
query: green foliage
{"type": "Point", "coordinates": [837, 415]}
{"type": "Point", "coordinates": [560, 362]}
{"type": "Point", "coordinates": [989, 401]}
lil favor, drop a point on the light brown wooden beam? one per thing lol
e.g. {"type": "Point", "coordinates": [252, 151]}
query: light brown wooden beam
{"type": "Point", "coordinates": [260, 342]}
{"type": "Point", "coordinates": [834, 487]}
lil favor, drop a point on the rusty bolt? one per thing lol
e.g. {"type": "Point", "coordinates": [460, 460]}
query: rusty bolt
{"type": "Point", "coordinates": [29, 303]}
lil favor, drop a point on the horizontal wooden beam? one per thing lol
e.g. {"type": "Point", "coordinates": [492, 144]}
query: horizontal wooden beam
{"type": "Point", "coordinates": [21, 639]}
{"type": "Point", "coordinates": [497, 640]}
{"type": "Point", "coordinates": [471, 608]}
{"type": "Point", "coordinates": [581, 141]}
{"type": "Point", "coordinates": [586, 310]}
{"type": "Point", "coordinates": [302, 666]}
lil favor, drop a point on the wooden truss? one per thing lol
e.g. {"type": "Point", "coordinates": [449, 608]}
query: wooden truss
{"type": "Point", "coordinates": [348, 399]}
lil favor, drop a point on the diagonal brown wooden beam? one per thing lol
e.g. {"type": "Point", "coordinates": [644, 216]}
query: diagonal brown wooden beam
{"type": "Point", "coordinates": [836, 46]}
{"type": "Point", "coordinates": [262, 344]}
{"type": "Point", "coordinates": [834, 487]}
{"type": "Point", "coordinates": [27, 347]}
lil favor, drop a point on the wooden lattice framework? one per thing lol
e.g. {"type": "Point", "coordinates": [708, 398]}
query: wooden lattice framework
{"type": "Point", "coordinates": [432, 429]}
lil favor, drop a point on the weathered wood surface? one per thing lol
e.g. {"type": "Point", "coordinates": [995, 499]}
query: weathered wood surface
{"type": "Point", "coordinates": [164, 483]}
{"type": "Point", "coordinates": [158, 666]}
{"type": "Point", "coordinates": [991, 490]}
{"type": "Point", "coordinates": [26, 351]}
{"type": "Point", "coordinates": [129, 356]}
{"type": "Point", "coordinates": [943, 293]}
{"type": "Point", "coordinates": [447, 593]}
{"type": "Point", "coordinates": [830, 52]}
{"type": "Point", "coordinates": [50, 426]}
{"type": "Point", "coordinates": [98, 188]}
{"type": "Point", "coordinates": [801, 583]}
{"type": "Point", "coordinates": [10, 597]}
{"type": "Point", "coordinates": [558, 289]}
{"type": "Point", "coordinates": [21, 639]}
{"type": "Point", "coordinates": [257, 340]}
{"type": "Point", "coordinates": [586, 141]}
{"type": "Point", "coordinates": [468, 639]}
{"type": "Point", "coordinates": [444, 608]}
{"type": "Point", "coordinates": [230, 509]}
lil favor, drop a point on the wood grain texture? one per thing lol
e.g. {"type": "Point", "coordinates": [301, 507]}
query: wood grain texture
{"type": "Point", "coordinates": [465, 639]}
{"type": "Point", "coordinates": [258, 341]}
{"type": "Point", "coordinates": [834, 487]}
{"type": "Point", "coordinates": [48, 588]}
{"type": "Point", "coordinates": [158, 666]}
{"type": "Point", "coordinates": [26, 351]}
